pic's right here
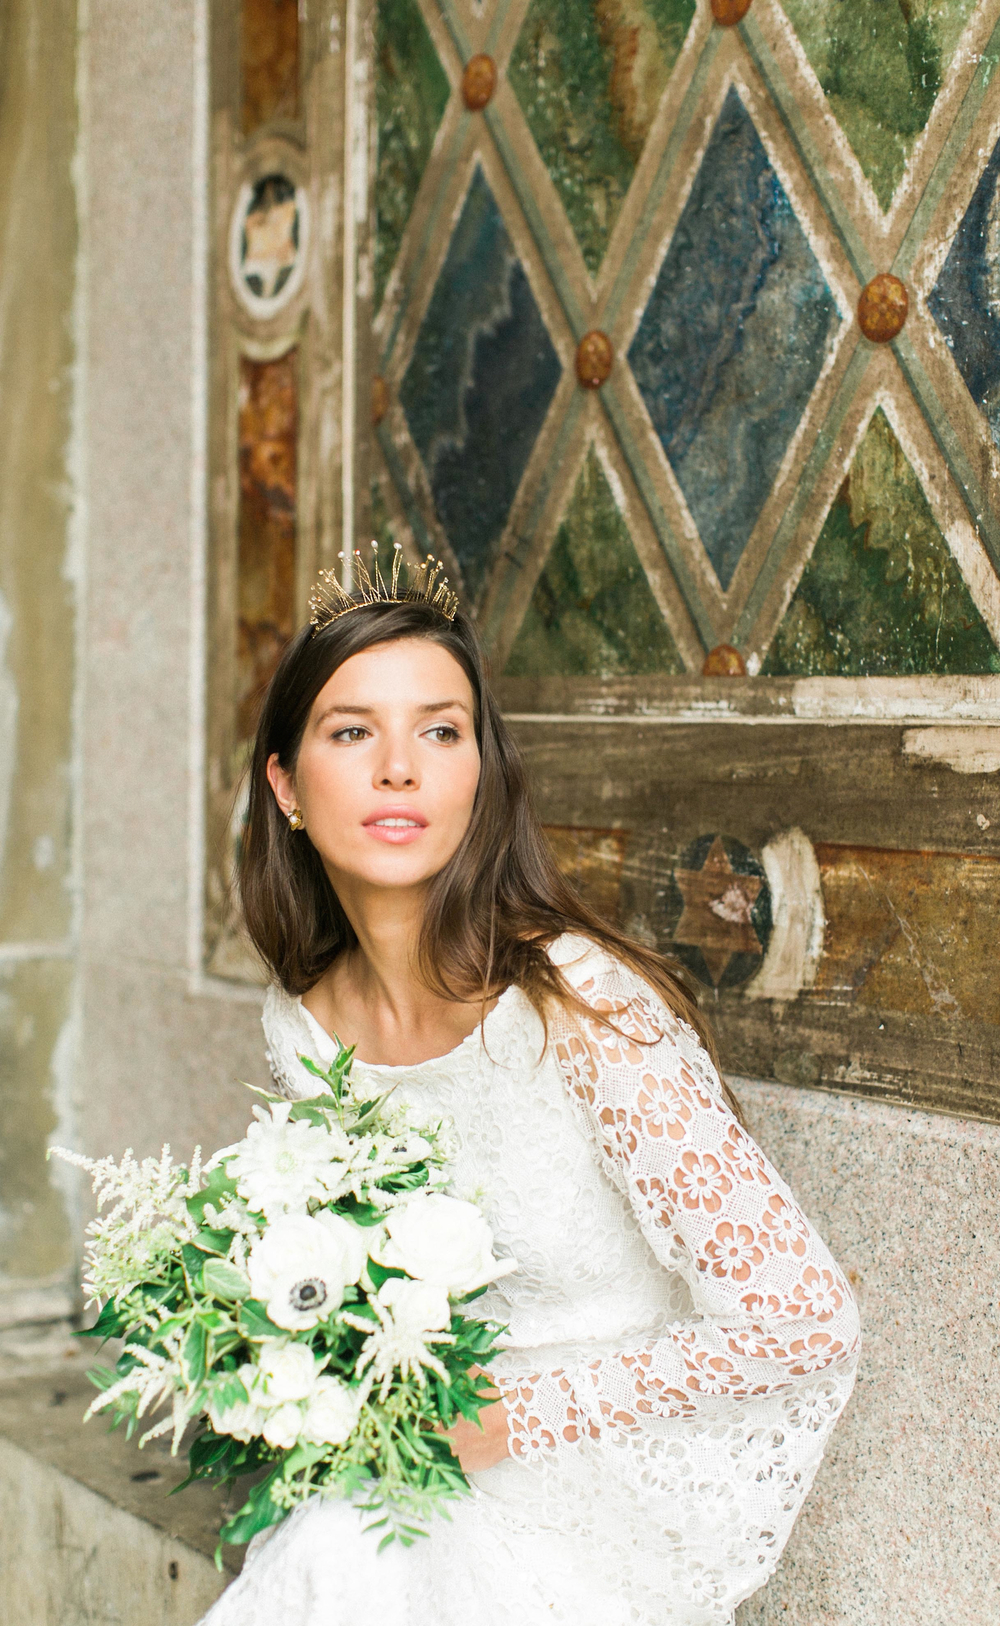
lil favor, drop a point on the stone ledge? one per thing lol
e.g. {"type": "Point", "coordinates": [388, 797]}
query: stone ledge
{"type": "Point", "coordinates": [89, 1535]}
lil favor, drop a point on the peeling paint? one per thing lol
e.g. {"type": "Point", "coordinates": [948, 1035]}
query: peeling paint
{"type": "Point", "coordinates": [797, 907]}
{"type": "Point", "coordinates": [964, 750]}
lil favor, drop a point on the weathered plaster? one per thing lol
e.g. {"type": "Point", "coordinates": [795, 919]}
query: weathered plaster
{"type": "Point", "coordinates": [37, 624]}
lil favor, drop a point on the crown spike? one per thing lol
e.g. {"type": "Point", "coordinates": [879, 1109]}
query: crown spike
{"type": "Point", "coordinates": [426, 583]}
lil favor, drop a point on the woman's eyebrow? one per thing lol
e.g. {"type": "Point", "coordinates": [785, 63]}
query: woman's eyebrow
{"type": "Point", "coordinates": [344, 711]}
{"type": "Point", "coordinates": [442, 705]}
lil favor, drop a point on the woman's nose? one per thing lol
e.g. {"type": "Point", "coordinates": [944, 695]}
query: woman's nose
{"type": "Point", "coordinates": [397, 771]}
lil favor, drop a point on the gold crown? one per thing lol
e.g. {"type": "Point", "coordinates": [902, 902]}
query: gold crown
{"type": "Point", "coordinates": [329, 600]}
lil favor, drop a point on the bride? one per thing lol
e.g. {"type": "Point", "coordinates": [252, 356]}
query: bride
{"type": "Point", "coordinates": [680, 1341]}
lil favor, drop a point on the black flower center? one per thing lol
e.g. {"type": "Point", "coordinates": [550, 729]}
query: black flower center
{"type": "Point", "coordinates": [309, 1294]}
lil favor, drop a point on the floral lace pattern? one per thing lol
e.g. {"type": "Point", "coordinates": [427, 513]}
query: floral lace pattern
{"type": "Point", "coordinates": [681, 1342]}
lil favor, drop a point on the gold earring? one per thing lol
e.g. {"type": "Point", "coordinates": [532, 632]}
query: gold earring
{"type": "Point", "coordinates": [295, 819]}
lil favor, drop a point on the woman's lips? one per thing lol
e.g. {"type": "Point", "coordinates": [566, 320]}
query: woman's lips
{"type": "Point", "coordinates": [397, 828]}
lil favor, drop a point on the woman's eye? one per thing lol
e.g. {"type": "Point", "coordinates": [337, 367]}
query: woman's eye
{"type": "Point", "coordinates": [355, 732]}
{"type": "Point", "coordinates": [447, 733]}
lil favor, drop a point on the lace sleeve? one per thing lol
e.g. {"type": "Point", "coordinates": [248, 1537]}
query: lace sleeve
{"type": "Point", "coordinates": [771, 1305]}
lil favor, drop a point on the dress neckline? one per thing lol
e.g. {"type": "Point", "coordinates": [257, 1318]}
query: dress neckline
{"type": "Point", "coordinates": [328, 1045]}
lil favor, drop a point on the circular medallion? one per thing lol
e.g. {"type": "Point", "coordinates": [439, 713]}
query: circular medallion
{"type": "Point", "coordinates": [724, 661]}
{"type": "Point", "coordinates": [729, 12]}
{"type": "Point", "coordinates": [267, 244]}
{"type": "Point", "coordinates": [594, 359]}
{"type": "Point", "coordinates": [380, 399]}
{"type": "Point", "coordinates": [479, 81]}
{"type": "Point", "coordinates": [716, 912]}
{"type": "Point", "coordinates": [882, 308]}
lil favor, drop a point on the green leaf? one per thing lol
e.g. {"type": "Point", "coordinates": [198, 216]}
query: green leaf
{"type": "Point", "coordinates": [224, 1281]}
{"type": "Point", "coordinates": [477, 1293]}
{"type": "Point", "coordinates": [255, 1322]}
{"type": "Point", "coordinates": [210, 1241]}
{"type": "Point", "coordinates": [306, 1111]}
{"type": "Point", "coordinates": [365, 1214]}
{"type": "Point", "coordinates": [194, 1352]}
{"type": "Point", "coordinates": [381, 1273]}
{"type": "Point", "coordinates": [111, 1323]}
{"type": "Point", "coordinates": [259, 1512]}
{"type": "Point", "coordinates": [217, 1191]}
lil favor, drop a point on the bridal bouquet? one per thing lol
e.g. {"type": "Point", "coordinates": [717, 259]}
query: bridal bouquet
{"type": "Point", "coordinates": [302, 1298]}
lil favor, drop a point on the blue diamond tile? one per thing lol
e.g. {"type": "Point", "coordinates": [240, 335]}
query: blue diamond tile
{"type": "Point", "coordinates": [479, 383]}
{"type": "Point", "coordinates": [965, 300]}
{"type": "Point", "coordinates": [733, 338]}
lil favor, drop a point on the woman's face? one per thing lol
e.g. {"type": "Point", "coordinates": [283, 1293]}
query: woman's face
{"type": "Point", "coordinates": [387, 770]}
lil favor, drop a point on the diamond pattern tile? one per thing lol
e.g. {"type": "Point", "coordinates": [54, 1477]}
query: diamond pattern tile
{"type": "Point", "coordinates": [479, 383]}
{"type": "Point", "coordinates": [881, 64]}
{"type": "Point", "coordinates": [411, 92]}
{"type": "Point", "coordinates": [589, 75]}
{"type": "Point", "coordinates": [881, 595]}
{"type": "Point", "coordinates": [593, 612]}
{"type": "Point", "coordinates": [965, 300]}
{"type": "Point", "coordinates": [733, 338]}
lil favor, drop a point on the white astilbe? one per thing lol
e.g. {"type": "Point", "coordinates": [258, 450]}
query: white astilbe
{"type": "Point", "coordinates": [153, 1383]}
{"type": "Point", "coordinates": [147, 1219]}
{"type": "Point", "coordinates": [393, 1345]}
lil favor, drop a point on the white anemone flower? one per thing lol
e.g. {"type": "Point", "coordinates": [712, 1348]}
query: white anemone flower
{"type": "Point", "coordinates": [332, 1413]}
{"type": "Point", "coordinates": [443, 1241]}
{"type": "Point", "coordinates": [279, 1165]}
{"type": "Point", "coordinates": [302, 1265]}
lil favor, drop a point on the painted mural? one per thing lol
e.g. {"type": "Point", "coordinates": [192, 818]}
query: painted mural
{"type": "Point", "coordinates": [479, 383]}
{"type": "Point", "coordinates": [590, 79]}
{"type": "Point", "coordinates": [727, 188]}
{"type": "Point", "coordinates": [593, 611]}
{"type": "Point", "coordinates": [733, 338]}
{"type": "Point", "coordinates": [881, 594]}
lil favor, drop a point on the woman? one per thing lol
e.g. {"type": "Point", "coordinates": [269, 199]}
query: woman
{"type": "Point", "coordinates": [681, 1342]}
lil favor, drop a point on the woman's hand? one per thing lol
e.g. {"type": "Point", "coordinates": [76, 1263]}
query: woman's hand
{"type": "Point", "coordinates": [480, 1447]}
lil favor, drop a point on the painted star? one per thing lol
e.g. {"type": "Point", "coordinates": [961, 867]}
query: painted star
{"type": "Point", "coordinates": [718, 906]}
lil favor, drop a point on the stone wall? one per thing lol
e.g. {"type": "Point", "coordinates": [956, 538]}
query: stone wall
{"type": "Point", "coordinates": [40, 560]}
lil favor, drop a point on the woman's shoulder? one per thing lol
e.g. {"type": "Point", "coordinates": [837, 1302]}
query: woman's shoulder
{"type": "Point", "coordinates": [588, 965]}
{"type": "Point", "coordinates": [291, 1032]}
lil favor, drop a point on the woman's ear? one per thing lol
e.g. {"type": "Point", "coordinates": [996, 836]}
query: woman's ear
{"type": "Point", "coordinates": [282, 783]}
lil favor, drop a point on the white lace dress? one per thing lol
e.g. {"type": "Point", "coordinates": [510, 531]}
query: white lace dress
{"type": "Point", "coordinates": [681, 1342]}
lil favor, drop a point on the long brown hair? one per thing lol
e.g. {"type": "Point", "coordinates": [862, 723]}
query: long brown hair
{"type": "Point", "coordinates": [496, 905]}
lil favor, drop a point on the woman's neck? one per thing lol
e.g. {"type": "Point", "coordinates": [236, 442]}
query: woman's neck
{"type": "Point", "coordinates": [373, 996]}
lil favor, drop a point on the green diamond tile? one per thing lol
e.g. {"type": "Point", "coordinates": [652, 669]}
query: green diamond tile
{"type": "Point", "coordinates": [593, 613]}
{"type": "Point", "coordinates": [881, 64]}
{"type": "Point", "coordinates": [589, 75]}
{"type": "Point", "coordinates": [881, 594]}
{"type": "Point", "coordinates": [411, 93]}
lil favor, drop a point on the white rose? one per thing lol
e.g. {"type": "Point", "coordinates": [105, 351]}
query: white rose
{"type": "Point", "coordinates": [287, 1372]}
{"type": "Point", "coordinates": [283, 1428]}
{"type": "Point", "coordinates": [442, 1240]}
{"type": "Point", "coordinates": [331, 1415]}
{"type": "Point", "coordinates": [416, 1306]}
{"type": "Point", "coordinates": [301, 1266]}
